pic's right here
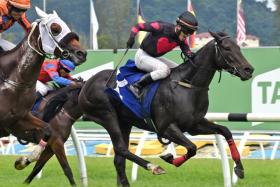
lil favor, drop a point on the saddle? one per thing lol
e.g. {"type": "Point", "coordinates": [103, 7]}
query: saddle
{"type": "Point", "coordinates": [127, 75]}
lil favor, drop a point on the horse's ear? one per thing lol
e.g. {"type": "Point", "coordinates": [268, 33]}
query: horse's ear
{"type": "Point", "coordinates": [40, 12]}
{"type": "Point", "coordinates": [215, 35]}
{"type": "Point", "coordinates": [54, 12]}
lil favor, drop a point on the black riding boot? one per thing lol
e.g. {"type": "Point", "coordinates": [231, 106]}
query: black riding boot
{"type": "Point", "coordinates": [39, 96]}
{"type": "Point", "coordinates": [137, 87]}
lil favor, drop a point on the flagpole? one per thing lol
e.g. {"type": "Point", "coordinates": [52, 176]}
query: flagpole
{"type": "Point", "coordinates": [91, 29]}
{"type": "Point", "coordinates": [137, 8]}
{"type": "Point", "coordinates": [236, 16]}
{"type": "Point", "coordinates": [44, 5]}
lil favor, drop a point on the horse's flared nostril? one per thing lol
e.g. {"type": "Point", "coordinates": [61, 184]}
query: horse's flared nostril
{"type": "Point", "coordinates": [249, 70]}
{"type": "Point", "coordinates": [81, 54]}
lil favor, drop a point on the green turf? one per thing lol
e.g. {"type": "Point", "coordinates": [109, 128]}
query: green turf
{"type": "Point", "coordinates": [101, 173]}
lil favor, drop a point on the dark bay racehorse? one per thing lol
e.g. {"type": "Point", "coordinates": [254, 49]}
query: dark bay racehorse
{"type": "Point", "coordinates": [190, 101]}
{"type": "Point", "coordinates": [20, 67]}
{"type": "Point", "coordinates": [61, 123]}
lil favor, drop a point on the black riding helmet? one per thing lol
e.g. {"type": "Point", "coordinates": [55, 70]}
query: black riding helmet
{"type": "Point", "coordinates": [188, 22]}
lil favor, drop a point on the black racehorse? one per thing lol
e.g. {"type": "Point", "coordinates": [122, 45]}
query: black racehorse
{"type": "Point", "coordinates": [60, 109]}
{"type": "Point", "coordinates": [189, 100]}
{"type": "Point", "coordinates": [20, 67]}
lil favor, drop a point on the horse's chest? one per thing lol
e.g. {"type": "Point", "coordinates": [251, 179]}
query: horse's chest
{"type": "Point", "coordinates": [15, 103]}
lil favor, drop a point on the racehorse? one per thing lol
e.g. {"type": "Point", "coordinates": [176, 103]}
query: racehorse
{"type": "Point", "coordinates": [61, 122]}
{"type": "Point", "coordinates": [20, 67]}
{"type": "Point", "coordinates": [189, 100]}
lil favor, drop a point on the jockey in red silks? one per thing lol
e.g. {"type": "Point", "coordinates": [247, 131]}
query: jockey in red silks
{"type": "Point", "coordinates": [12, 11]}
{"type": "Point", "coordinates": [162, 38]}
{"type": "Point", "coordinates": [56, 70]}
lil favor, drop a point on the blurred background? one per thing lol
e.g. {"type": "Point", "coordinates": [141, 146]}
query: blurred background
{"type": "Point", "coordinates": [115, 18]}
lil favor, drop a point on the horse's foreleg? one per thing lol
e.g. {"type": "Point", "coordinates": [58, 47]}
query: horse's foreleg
{"type": "Point", "coordinates": [174, 134]}
{"type": "Point", "coordinates": [44, 157]}
{"type": "Point", "coordinates": [31, 129]}
{"type": "Point", "coordinates": [207, 127]}
{"type": "Point", "coordinates": [109, 121]}
{"type": "Point", "coordinates": [58, 148]}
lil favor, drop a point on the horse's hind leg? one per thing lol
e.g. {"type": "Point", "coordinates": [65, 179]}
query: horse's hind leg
{"type": "Point", "coordinates": [174, 134]}
{"type": "Point", "coordinates": [45, 156]}
{"type": "Point", "coordinates": [57, 147]}
{"type": "Point", "coordinates": [119, 161]}
{"type": "Point", "coordinates": [207, 127]}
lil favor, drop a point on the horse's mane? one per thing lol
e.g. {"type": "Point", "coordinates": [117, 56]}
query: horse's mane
{"type": "Point", "coordinates": [15, 48]}
{"type": "Point", "coordinates": [55, 103]}
{"type": "Point", "coordinates": [220, 33]}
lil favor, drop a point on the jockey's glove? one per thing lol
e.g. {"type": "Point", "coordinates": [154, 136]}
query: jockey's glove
{"type": "Point", "coordinates": [130, 42]}
{"type": "Point", "coordinates": [190, 55]}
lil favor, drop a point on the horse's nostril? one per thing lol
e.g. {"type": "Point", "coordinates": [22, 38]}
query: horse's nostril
{"type": "Point", "coordinates": [249, 70]}
{"type": "Point", "coordinates": [81, 54]}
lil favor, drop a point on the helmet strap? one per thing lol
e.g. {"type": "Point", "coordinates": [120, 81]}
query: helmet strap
{"type": "Point", "coordinates": [177, 30]}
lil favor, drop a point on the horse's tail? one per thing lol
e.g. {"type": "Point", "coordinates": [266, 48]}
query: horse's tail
{"type": "Point", "coordinates": [54, 105]}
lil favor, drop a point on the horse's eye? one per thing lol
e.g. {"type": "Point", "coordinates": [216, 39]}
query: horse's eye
{"type": "Point", "coordinates": [55, 29]}
{"type": "Point", "coordinates": [226, 48]}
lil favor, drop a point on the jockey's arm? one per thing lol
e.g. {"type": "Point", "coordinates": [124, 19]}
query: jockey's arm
{"type": "Point", "coordinates": [148, 27]}
{"type": "Point", "coordinates": [186, 49]}
{"type": "Point", "coordinates": [60, 80]}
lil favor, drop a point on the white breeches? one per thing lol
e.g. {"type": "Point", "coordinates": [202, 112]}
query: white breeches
{"type": "Point", "coordinates": [43, 88]}
{"type": "Point", "coordinates": [158, 67]}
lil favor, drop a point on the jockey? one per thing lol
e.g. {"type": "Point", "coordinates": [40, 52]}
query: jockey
{"type": "Point", "coordinates": [56, 70]}
{"type": "Point", "coordinates": [12, 11]}
{"type": "Point", "coordinates": [163, 37]}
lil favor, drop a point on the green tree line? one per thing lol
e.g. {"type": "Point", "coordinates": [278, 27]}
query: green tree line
{"type": "Point", "coordinates": [116, 18]}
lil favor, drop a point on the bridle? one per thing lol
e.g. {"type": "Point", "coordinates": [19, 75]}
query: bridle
{"type": "Point", "coordinates": [65, 53]}
{"type": "Point", "coordinates": [232, 68]}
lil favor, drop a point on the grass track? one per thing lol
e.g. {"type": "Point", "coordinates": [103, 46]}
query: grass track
{"type": "Point", "coordinates": [101, 173]}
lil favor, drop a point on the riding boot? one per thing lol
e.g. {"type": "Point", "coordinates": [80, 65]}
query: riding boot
{"type": "Point", "coordinates": [39, 96]}
{"type": "Point", "coordinates": [137, 87]}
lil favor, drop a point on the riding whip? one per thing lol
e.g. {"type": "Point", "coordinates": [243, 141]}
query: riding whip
{"type": "Point", "coordinates": [113, 72]}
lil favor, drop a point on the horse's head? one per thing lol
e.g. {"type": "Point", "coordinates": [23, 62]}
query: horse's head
{"type": "Point", "coordinates": [57, 39]}
{"type": "Point", "coordinates": [230, 58]}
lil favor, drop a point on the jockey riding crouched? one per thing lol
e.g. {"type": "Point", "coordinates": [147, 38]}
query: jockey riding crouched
{"type": "Point", "coordinates": [56, 70]}
{"type": "Point", "coordinates": [12, 11]}
{"type": "Point", "coordinates": [162, 38]}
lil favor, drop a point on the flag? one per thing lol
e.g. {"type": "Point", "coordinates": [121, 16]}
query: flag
{"type": "Point", "coordinates": [240, 30]}
{"type": "Point", "coordinates": [93, 27]}
{"type": "Point", "coordinates": [140, 19]}
{"type": "Point", "coordinates": [191, 37]}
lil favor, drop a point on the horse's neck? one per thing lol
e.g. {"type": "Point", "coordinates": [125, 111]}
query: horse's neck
{"type": "Point", "coordinates": [27, 66]}
{"type": "Point", "coordinates": [71, 106]}
{"type": "Point", "coordinates": [201, 72]}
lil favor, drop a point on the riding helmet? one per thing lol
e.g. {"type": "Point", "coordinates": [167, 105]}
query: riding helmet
{"type": "Point", "coordinates": [21, 4]}
{"type": "Point", "coordinates": [188, 22]}
{"type": "Point", "coordinates": [67, 64]}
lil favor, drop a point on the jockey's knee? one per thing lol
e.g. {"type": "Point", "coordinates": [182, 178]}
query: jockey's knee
{"type": "Point", "coordinates": [161, 73]}
{"type": "Point", "coordinates": [192, 150]}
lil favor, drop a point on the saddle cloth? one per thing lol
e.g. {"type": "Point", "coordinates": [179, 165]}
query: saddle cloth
{"type": "Point", "coordinates": [127, 75]}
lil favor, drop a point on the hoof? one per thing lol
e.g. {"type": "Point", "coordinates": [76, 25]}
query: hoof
{"type": "Point", "coordinates": [239, 172]}
{"type": "Point", "coordinates": [167, 158]}
{"type": "Point", "coordinates": [158, 171]}
{"type": "Point", "coordinates": [21, 163]}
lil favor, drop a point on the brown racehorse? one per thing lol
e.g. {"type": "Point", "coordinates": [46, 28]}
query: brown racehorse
{"type": "Point", "coordinates": [67, 98]}
{"type": "Point", "coordinates": [19, 69]}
